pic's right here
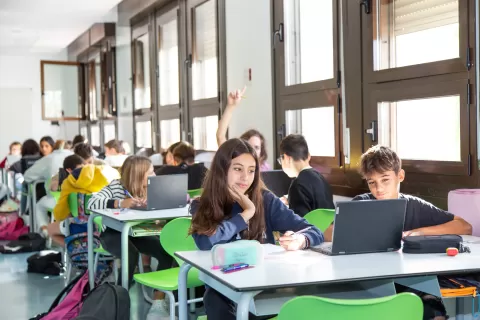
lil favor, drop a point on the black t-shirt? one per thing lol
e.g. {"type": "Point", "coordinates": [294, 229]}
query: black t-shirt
{"type": "Point", "coordinates": [419, 213]}
{"type": "Point", "coordinates": [309, 191]}
{"type": "Point", "coordinates": [196, 173]}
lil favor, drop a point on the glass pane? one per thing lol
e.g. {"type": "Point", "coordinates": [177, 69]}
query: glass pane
{"type": "Point", "coordinates": [98, 84]}
{"type": "Point", "coordinates": [60, 89]}
{"type": "Point", "coordinates": [169, 132]}
{"type": "Point", "coordinates": [95, 131]}
{"type": "Point", "coordinates": [205, 133]}
{"type": "Point", "coordinates": [313, 123]}
{"type": "Point", "coordinates": [308, 28]}
{"type": "Point", "coordinates": [168, 63]}
{"type": "Point", "coordinates": [402, 127]}
{"type": "Point", "coordinates": [84, 132]}
{"type": "Point", "coordinates": [411, 32]}
{"type": "Point", "coordinates": [142, 73]}
{"type": "Point", "coordinates": [143, 131]}
{"type": "Point", "coordinates": [204, 65]}
{"type": "Point", "coordinates": [109, 132]}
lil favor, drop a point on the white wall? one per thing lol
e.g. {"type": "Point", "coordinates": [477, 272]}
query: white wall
{"type": "Point", "coordinates": [23, 72]}
{"type": "Point", "coordinates": [249, 46]}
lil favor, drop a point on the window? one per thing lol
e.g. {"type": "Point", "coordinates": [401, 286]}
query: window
{"type": "Point", "coordinates": [109, 132]}
{"type": "Point", "coordinates": [142, 73]}
{"type": "Point", "coordinates": [95, 135]}
{"type": "Point", "coordinates": [204, 56]}
{"type": "Point", "coordinates": [84, 132]}
{"type": "Point", "coordinates": [409, 32]}
{"type": "Point", "coordinates": [205, 133]}
{"type": "Point", "coordinates": [402, 127]}
{"type": "Point", "coordinates": [308, 41]}
{"type": "Point", "coordinates": [60, 90]}
{"type": "Point", "coordinates": [170, 132]}
{"type": "Point", "coordinates": [143, 131]}
{"type": "Point", "coordinates": [313, 123]}
{"type": "Point", "coordinates": [168, 63]}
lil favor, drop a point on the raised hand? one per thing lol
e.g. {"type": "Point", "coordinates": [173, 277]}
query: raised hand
{"type": "Point", "coordinates": [235, 97]}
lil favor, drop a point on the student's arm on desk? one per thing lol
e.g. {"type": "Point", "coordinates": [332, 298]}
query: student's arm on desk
{"type": "Point", "coordinates": [225, 231]}
{"type": "Point", "coordinates": [456, 226]}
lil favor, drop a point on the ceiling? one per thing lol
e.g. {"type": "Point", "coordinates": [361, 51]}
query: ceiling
{"type": "Point", "coordinates": [47, 26]}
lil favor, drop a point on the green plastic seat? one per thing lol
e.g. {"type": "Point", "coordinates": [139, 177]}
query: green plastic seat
{"type": "Point", "coordinates": [195, 193]}
{"type": "Point", "coordinates": [55, 195]}
{"type": "Point", "coordinates": [174, 238]}
{"type": "Point", "coordinates": [321, 218]}
{"type": "Point", "coordinates": [398, 307]}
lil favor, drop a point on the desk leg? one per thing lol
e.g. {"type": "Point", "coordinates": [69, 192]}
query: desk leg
{"type": "Point", "coordinates": [125, 233]}
{"type": "Point", "coordinates": [182, 291]}
{"type": "Point", "coordinates": [91, 272]}
{"type": "Point", "coordinates": [33, 202]}
{"type": "Point", "coordinates": [243, 305]}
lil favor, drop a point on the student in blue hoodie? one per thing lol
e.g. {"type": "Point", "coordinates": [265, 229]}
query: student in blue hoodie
{"type": "Point", "coordinates": [235, 205]}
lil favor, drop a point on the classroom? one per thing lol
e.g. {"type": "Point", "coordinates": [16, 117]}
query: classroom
{"type": "Point", "coordinates": [240, 159]}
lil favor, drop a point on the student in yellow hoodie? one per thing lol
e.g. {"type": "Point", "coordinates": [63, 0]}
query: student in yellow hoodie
{"type": "Point", "coordinates": [82, 178]}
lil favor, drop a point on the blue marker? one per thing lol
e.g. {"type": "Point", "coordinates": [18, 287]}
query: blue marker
{"type": "Point", "coordinates": [234, 268]}
{"type": "Point", "coordinates": [127, 193]}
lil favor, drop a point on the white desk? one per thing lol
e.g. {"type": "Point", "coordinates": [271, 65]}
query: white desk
{"type": "Point", "coordinates": [363, 275]}
{"type": "Point", "coordinates": [122, 221]}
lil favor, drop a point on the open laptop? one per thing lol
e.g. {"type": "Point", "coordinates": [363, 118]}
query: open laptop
{"type": "Point", "coordinates": [166, 192]}
{"type": "Point", "coordinates": [277, 181]}
{"type": "Point", "coordinates": [365, 227]}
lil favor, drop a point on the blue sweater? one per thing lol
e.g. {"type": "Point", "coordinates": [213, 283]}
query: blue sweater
{"type": "Point", "coordinates": [277, 218]}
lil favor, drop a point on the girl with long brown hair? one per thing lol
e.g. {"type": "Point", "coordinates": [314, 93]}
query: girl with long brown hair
{"type": "Point", "coordinates": [128, 192]}
{"type": "Point", "coordinates": [235, 205]}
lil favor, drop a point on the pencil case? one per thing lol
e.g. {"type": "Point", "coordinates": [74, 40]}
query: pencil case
{"type": "Point", "coordinates": [241, 251]}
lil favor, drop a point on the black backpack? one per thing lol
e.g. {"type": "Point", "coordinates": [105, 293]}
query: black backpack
{"type": "Point", "coordinates": [29, 242]}
{"type": "Point", "coordinates": [106, 302]}
{"type": "Point", "coordinates": [46, 262]}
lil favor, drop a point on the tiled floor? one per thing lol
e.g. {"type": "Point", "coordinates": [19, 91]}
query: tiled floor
{"type": "Point", "coordinates": [24, 295]}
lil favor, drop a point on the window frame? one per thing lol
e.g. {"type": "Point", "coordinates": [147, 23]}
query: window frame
{"type": "Point", "coordinates": [415, 89]}
{"type": "Point", "coordinates": [420, 70]}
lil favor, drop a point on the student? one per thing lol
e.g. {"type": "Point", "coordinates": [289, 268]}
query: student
{"type": "Point", "coordinates": [14, 150]}
{"type": "Point", "coordinates": [114, 153]}
{"type": "Point", "coordinates": [254, 137]}
{"type": "Point", "coordinates": [81, 139]}
{"type": "Point", "coordinates": [62, 145]}
{"type": "Point", "coordinates": [130, 191]}
{"type": "Point", "coordinates": [46, 145]}
{"type": "Point", "coordinates": [235, 206]}
{"type": "Point", "coordinates": [168, 158]}
{"type": "Point", "coordinates": [82, 178]}
{"type": "Point", "coordinates": [184, 162]}
{"type": "Point", "coordinates": [309, 190]}
{"type": "Point", "coordinates": [382, 168]}
{"type": "Point", "coordinates": [30, 153]}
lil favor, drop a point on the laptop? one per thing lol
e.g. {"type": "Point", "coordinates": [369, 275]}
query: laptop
{"type": "Point", "coordinates": [277, 181]}
{"type": "Point", "coordinates": [365, 227]}
{"type": "Point", "coordinates": [166, 192]}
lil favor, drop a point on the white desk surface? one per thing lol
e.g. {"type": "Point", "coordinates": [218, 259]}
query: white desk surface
{"type": "Point", "coordinates": [134, 215]}
{"type": "Point", "coordinates": [298, 268]}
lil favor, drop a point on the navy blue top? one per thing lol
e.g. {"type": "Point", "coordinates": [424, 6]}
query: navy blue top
{"type": "Point", "coordinates": [278, 217]}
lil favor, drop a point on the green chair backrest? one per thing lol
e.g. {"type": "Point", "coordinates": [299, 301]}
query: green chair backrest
{"type": "Point", "coordinates": [73, 203]}
{"type": "Point", "coordinates": [55, 195]}
{"type": "Point", "coordinates": [398, 307]}
{"type": "Point", "coordinates": [175, 237]}
{"type": "Point", "coordinates": [195, 192]}
{"type": "Point", "coordinates": [321, 218]}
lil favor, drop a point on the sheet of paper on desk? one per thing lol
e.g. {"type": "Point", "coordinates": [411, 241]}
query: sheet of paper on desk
{"type": "Point", "coordinates": [270, 248]}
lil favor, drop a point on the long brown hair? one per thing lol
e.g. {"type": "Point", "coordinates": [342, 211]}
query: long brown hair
{"type": "Point", "coordinates": [133, 173]}
{"type": "Point", "coordinates": [216, 202]}
{"type": "Point", "coordinates": [263, 148]}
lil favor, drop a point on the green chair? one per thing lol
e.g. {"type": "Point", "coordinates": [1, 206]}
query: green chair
{"type": "Point", "coordinates": [321, 218]}
{"type": "Point", "coordinates": [174, 238]}
{"type": "Point", "coordinates": [398, 307]}
{"type": "Point", "coordinates": [195, 193]}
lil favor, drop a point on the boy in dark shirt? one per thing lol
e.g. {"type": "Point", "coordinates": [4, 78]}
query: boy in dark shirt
{"type": "Point", "coordinates": [184, 162]}
{"type": "Point", "coordinates": [382, 168]}
{"type": "Point", "coordinates": [309, 190]}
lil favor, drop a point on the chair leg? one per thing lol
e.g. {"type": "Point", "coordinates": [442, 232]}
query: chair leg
{"type": "Point", "coordinates": [192, 296]}
{"type": "Point", "coordinates": [144, 289]}
{"type": "Point", "coordinates": [172, 303]}
{"type": "Point", "coordinates": [95, 262]}
{"type": "Point", "coordinates": [68, 272]}
{"type": "Point", "coordinates": [115, 269]}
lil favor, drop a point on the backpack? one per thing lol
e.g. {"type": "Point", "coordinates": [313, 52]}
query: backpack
{"type": "Point", "coordinates": [106, 302]}
{"type": "Point", "coordinates": [45, 262]}
{"type": "Point", "coordinates": [11, 225]}
{"type": "Point", "coordinates": [28, 242]}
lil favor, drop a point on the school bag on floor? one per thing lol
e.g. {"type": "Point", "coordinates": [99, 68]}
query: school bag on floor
{"type": "Point", "coordinates": [11, 225]}
{"type": "Point", "coordinates": [106, 302]}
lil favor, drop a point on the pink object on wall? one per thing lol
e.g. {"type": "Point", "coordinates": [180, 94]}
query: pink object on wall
{"type": "Point", "coordinates": [465, 203]}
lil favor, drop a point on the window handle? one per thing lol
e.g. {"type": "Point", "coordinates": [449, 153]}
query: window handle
{"type": "Point", "coordinates": [278, 33]}
{"type": "Point", "coordinates": [281, 132]}
{"type": "Point", "coordinates": [367, 4]}
{"type": "Point", "coordinates": [373, 130]}
{"type": "Point", "coordinates": [188, 61]}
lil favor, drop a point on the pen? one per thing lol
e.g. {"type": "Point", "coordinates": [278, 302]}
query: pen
{"type": "Point", "coordinates": [303, 230]}
{"type": "Point", "coordinates": [127, 193]}
{"type": "Point", "coordinates": [235, 268]}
